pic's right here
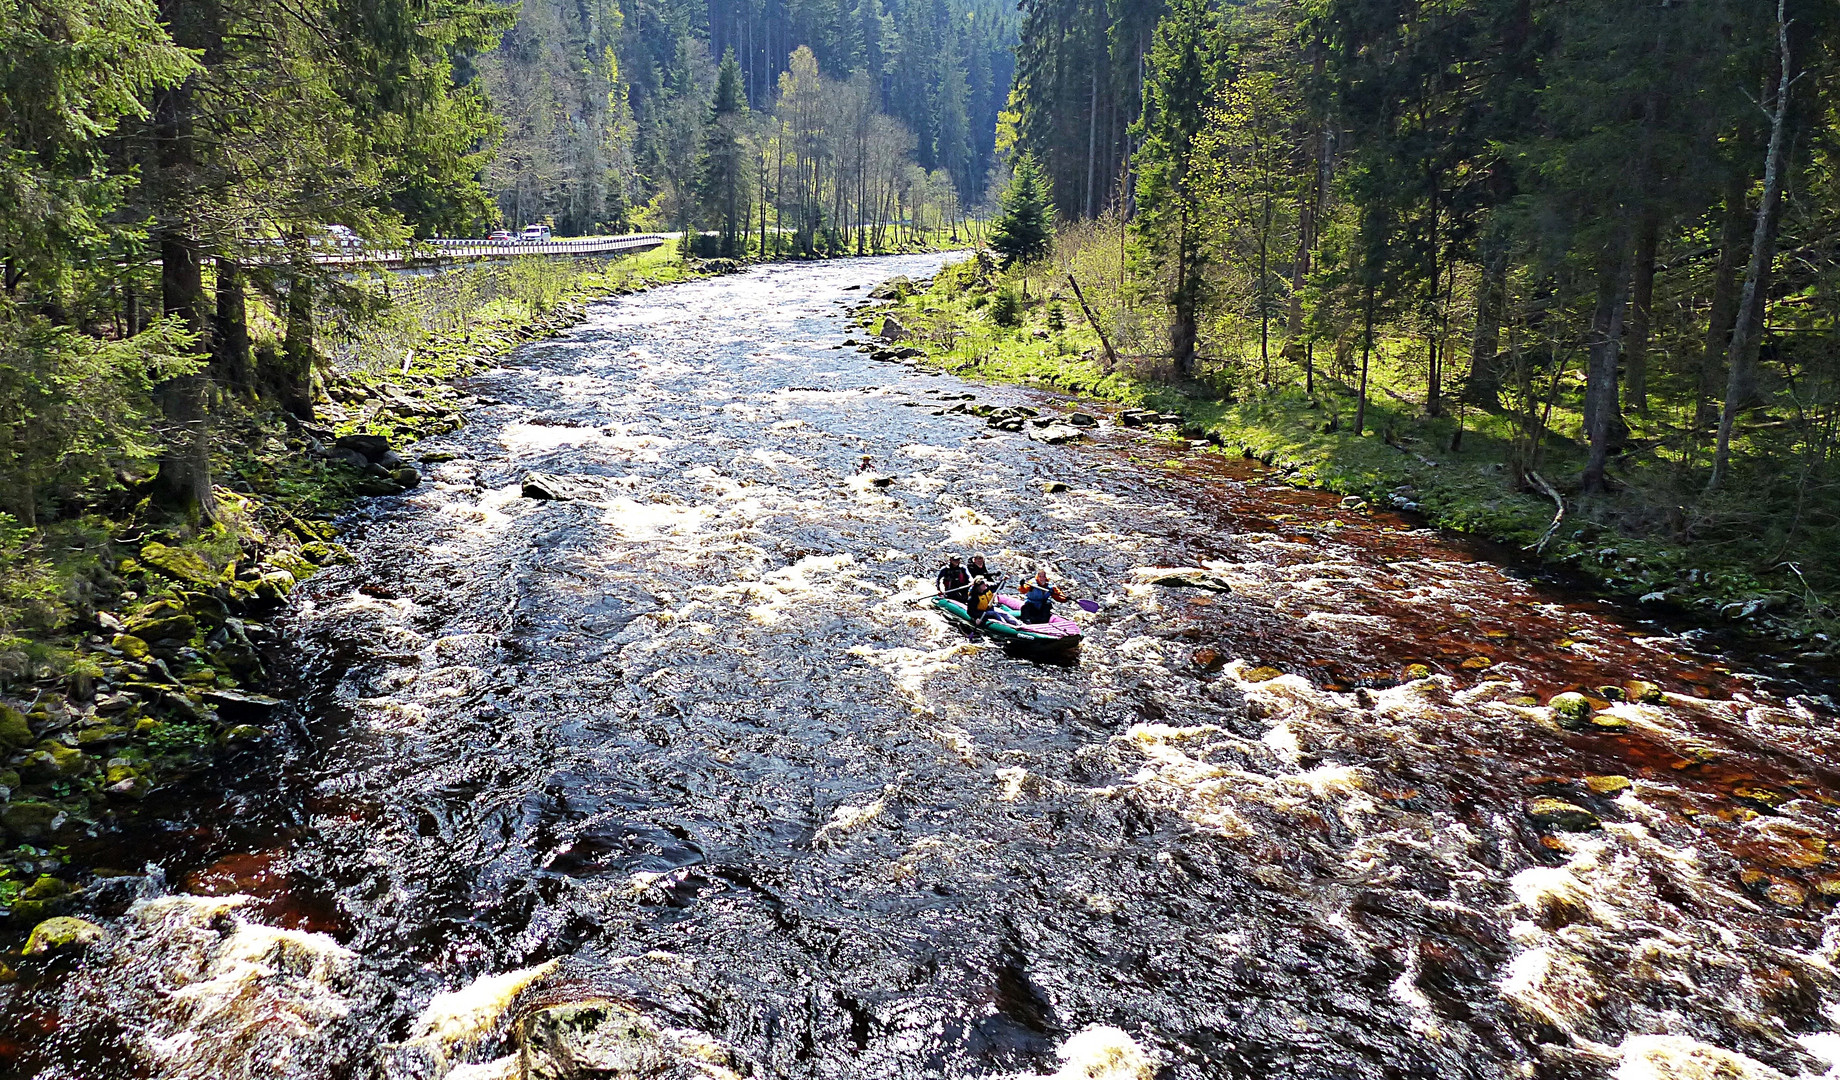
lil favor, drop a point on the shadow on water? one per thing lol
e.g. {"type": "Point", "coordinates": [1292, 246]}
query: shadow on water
{"type": "Point", "coordinates": [687, 736]}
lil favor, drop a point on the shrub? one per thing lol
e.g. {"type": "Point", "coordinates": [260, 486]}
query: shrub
{"type": "Point", "coordinates": [1006, 309]}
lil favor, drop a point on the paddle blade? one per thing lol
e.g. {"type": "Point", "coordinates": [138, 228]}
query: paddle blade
{"type": "Point", "coordinates": [1088, 605]}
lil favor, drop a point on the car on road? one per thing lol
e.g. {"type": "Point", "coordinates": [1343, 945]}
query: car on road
{"type": "Point", "coordinates": [535, 234]}
{"type": "Point", "coordinates": [499, 236]}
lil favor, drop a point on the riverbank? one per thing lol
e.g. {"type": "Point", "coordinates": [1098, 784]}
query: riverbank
{"type": "Point", "coordinates": [970, 323]}
{"type": "Point", "coordinates": [135, 648]}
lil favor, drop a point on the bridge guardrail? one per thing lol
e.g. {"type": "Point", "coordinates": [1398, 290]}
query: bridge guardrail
{"type": "Point", "coordinates": [472, 249]}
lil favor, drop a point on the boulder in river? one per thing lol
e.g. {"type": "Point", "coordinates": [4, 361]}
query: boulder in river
{"type": "Point", "coordinates": [1183, 577]}
{"type": "Point", "coordinates": [1055, 434]}
{"type": "Point", "coordinates": [1573, 709]}
{"type": "Point", "coordinates": [241, 703]}
{"type": "Point", "coordinates": [550, 487]}
{"type": "Point", "coordinates": [607, 1040]}
{"type": "Point", "coordinates": [1642, 692]}
{"type": "Point", "coordinates": [1559, 814]}
{"type": "Point", "coordinates": [892, 329]}
{"type": "Point", "coordinates": [62, 933]}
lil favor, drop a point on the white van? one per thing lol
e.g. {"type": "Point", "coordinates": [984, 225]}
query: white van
{"type": "Point", "coordinates": [534, 234]}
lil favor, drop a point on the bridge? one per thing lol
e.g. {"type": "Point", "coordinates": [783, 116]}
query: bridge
{"type": "Point", "coordinates": [434, 252]}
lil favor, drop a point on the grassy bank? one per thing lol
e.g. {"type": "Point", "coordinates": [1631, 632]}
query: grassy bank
{"type": "Point", "coordinates": [132, 643]}
{"type": "Point", "coordinates": [977, 323]}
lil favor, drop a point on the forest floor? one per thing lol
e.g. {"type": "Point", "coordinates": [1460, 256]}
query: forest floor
{"type": "Point", "coordinates": [1404, 459]}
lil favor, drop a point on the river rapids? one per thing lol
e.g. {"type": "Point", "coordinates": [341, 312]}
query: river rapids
{"type": "Point", "coordinates": [681, 777]}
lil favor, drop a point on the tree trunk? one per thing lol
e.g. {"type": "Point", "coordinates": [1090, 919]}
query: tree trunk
{"type": "Point", "coordinates": [230, 356]}
{"type": "Point", "coordinates": [184, 478]}
{"type": "Point", "coordinates": [1600, 398]}
{"type": "Point", "coordinates": [1741, 357]}
{"type": "Point", "coordinates": [294, 386]}
{"type": "Point", "coordinates": [1484, 384]}
{"type": "Point", "coordinates": [1641, 301]}
{"type": "Point", "coordinates": [1367, 348]}
{"type": "Point", "coordinates": [1724, 310]}
{"type": "Point", "coordinates": [1183, 329]}
{"type": "Point", "coordinates": [1092, 146]}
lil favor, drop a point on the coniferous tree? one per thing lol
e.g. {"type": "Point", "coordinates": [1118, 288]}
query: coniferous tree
{"type": "Point", "coordinates": [1024, 232]}
{"type": "Point", "coordinates": [1177, 92]}
{"type": "Point", "coordinates": [722, 180]}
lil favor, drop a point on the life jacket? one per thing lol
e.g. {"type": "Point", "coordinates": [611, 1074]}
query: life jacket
{"type": "Point", "coordinates": [982, 595]}
{"type": "Point", "coordinates": [953, 579]}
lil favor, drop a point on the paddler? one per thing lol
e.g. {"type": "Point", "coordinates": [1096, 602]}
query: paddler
{"type": "Point", "coordinates": [952, 581]}
{"type": "Point", "coordinates": [983, 594]}
{"type": "Point", "coordinates": [1038, 597]}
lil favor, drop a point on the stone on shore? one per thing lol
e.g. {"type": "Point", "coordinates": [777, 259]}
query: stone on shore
{"type": "Point", "coordinates": [372, 447]}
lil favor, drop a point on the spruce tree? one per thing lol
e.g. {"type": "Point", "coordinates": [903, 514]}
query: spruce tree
{"type": "Point", "coordinates": [1178, 89]}
{"type": "Point", "coordinates": [722, 181]}
{"type": "Point", "coordinates": [1024, 231]}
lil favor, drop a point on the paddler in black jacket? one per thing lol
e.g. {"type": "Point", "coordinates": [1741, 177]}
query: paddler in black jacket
{"type": "Point", "coordinates": [952, 581]}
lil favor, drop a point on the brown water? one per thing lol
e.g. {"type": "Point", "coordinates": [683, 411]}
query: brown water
{"type": "Point", "coordinates": [694, 739]}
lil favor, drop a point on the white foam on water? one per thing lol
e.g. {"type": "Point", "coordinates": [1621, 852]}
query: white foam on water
{"type": "Point", "coordinates": [1102, 1052]}
{"type": "Point", "coordinates": [848, 818]}
{"type": "Point", "coordinates": [460, 1017]}
{"type": "Point", "coordinates": [1678, 1057]}
{"type": "Point", "coordinates": [508, 1067]}
{"type": "Point", "coordinates": [226, 998]}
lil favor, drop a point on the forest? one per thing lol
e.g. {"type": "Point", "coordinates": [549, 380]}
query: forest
{"type": "Point", "coordinates": [1591, 245]}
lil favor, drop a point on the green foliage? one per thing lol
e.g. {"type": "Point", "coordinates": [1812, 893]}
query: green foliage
{"type": "Point", "coordinates": [75, 410]}
{"type": "Point", "coordinates": [723, 174]}
{"type": "Point", "coordinates": [1006, 307]}
{"type": "Point", "coordinates": [1024, 231]}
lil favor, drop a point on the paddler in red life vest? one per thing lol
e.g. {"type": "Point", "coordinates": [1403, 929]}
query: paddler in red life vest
{"type": "Point", "coordinates": [1038, 598]}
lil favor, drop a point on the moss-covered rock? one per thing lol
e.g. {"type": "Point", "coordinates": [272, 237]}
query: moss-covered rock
{"type": "Point", "coordinates": [294, 564]}
{"type": "Point", "coordinates": [1607, 785]}
{"type": "Point", "coordinates": [55, 761]}
{"type": "Point", "coordinates": [15, 733]}
{"type": "Point", "coordinates": [164, 627]}
{"type": "Point", "coordinates": [130, 646]}
{"type": "Point", "coordinates": [242, 734]}
{"type": "Point", "coordinates": [1558, 814]}
{"type": "Point", "coordinates": [62, 933]}
{"type": "Point", "coordinates": [45, 888]}
{"type": "Point", "coordinates": [180, 564]}
{"type": "Point", "coordinates": [28, 819]}
{"type": "Point", "coordinates": [1641, 691]}
{"type": "Point", "coordinates": [1573, 709]}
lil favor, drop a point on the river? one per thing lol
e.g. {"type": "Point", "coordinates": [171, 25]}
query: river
{"type": "Point", "coordinates": [688, 749]}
